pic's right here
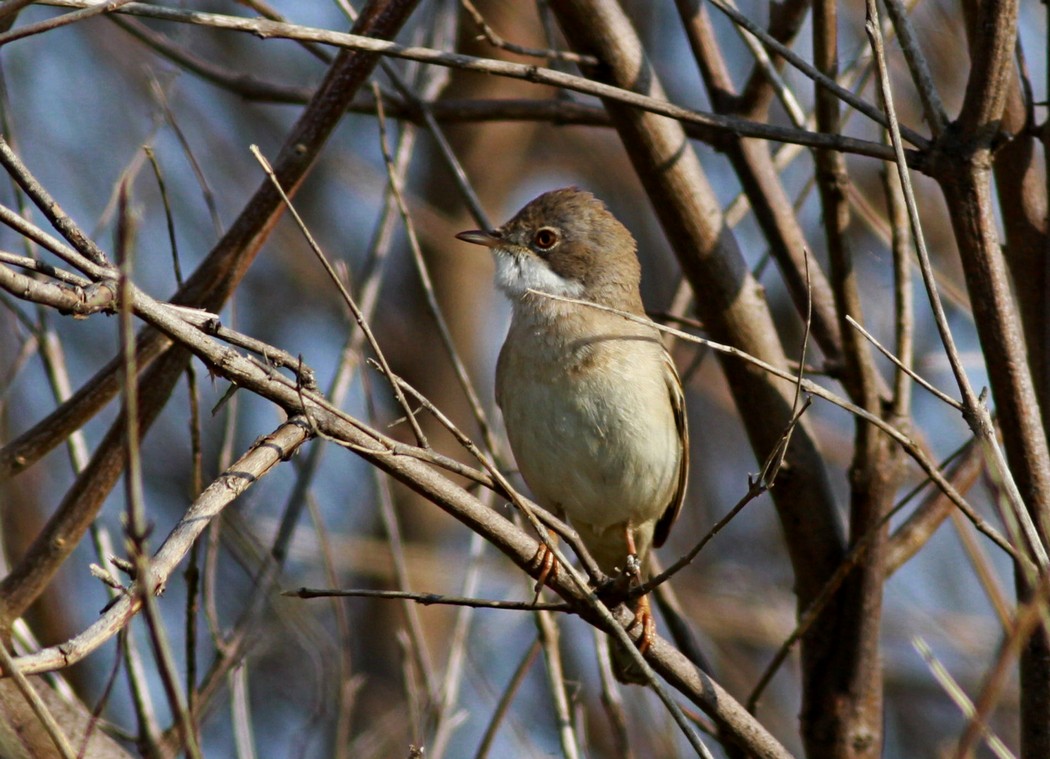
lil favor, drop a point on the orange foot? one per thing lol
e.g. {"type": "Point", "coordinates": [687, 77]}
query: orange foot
{"type": "Point", "coordinates": [643, 616]}
{"type": "Point", "coordinates": [547, 564]}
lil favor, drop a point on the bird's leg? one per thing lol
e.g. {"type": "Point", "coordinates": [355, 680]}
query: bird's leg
{"type": "Point", "coordinates": [642, 613]}
{"type": "Point", "coordinates": [547, 563]}
{"type": "Point", "coordinates": [643, 616]}
{"type": "Point", "coordinates": [633, 567]}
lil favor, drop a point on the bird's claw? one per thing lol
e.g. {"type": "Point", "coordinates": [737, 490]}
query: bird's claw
{"type": "Point", "coordinates": [547, 564]}
{"type": "Point", "coordinates": [633, 568]}
{"type": "Point", "coordinates": [643, 616]}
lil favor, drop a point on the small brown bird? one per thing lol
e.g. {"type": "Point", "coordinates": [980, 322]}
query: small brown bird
{"type": "Point", "coordinates": [592, 402]}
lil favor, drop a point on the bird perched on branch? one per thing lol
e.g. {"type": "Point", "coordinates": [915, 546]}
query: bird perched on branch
{"type": "Point", "coordinates": [592, 402]}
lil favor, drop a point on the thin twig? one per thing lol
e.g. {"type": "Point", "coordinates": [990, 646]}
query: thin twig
{"type": "Point", "coordinates": [1018, 632]}
{"type": "Point", "coordinates": [903, 367]}
{"type": "Point", "coordinates": [547, 631]}
{"type": "Point", "coordinates": [344, 671]}
{"type": "Point", "coordinates": [427, 599]}
{"type": "Point", "coordinates": [448, 717]}
{"type": "Point", "coordinates": [757, 486]}
{"type": "Point", "coordinates": [503, 705]}
{"type": "Point", "coordinates": [416, 639]}
{"type": "Point", "coordinates": [958, 695]}
{"type": "Point", "coordinates": [932, 108]}
{"type": "Point", "coordinates": [348, 299]}
{"type": "Point", "coordinates": [611, 696]}
{"type": "Point", "coordinates": [187, 150]}
{"type": "Point", "coordinates": [473, 400]}
{"type": "Point", "coordinates": [264, 454]}
{"type": "Point", "coordinates": [535, 74]}
{"type": "Point", "coordinates": [162, 188]}
{"type": "Point", "coordinates": [813, 73]}
{"type": "Point", "coordinates": [168, 672]}
{"type": "Point", "coordinates": [65, 19]}
{"type": "Point", "coordinates": [489, 34]}
{"type": "Point", "coordinates": [52, 244]}
{"type": "Point", "coordinates": [908, 538]}
{"type": "Point", "coordinates": [764, 64]}
{"type": "Point", "coordinates": [38, 266]}
{"type": "Point", "coordinates": [51, 210]}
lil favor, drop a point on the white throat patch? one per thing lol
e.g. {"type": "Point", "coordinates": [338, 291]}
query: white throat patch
{"type": "Point", "coordinates": [516, 274]}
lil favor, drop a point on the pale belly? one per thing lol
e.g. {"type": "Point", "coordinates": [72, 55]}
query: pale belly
{"type": "Point", "coordinates": [587, 445]}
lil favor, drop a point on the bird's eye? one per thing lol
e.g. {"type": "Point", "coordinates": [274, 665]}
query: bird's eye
{"type": "Point", "coordinates": [545, 238]}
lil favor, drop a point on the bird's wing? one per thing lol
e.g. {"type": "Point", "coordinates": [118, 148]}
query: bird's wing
{"type": "Point", "coordinates": [677, 395]}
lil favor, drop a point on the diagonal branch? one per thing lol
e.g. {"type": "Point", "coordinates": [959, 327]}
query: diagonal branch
{"type": "Point", "coordinates": [209, 287]}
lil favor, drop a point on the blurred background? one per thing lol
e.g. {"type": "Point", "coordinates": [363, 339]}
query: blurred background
{"type": "Point", "coordinates": [141, 103]}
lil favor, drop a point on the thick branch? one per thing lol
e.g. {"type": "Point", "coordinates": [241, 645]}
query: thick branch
{"type": "Point", "coordinates": [842, 701]}
{"type": "Point", "coordinates": [993, 41]}
{"type": "Point", "coordinates": [1022, 202]}
{"type": "Point", "coordinates": [1002, 342]}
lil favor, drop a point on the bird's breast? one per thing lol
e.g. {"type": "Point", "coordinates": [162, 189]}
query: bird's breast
{"type": "Point", "coordinates": [590, 420]}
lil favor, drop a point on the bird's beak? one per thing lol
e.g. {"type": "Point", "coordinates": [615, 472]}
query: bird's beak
{"type": "Point", "coordinates": [480, 237]}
